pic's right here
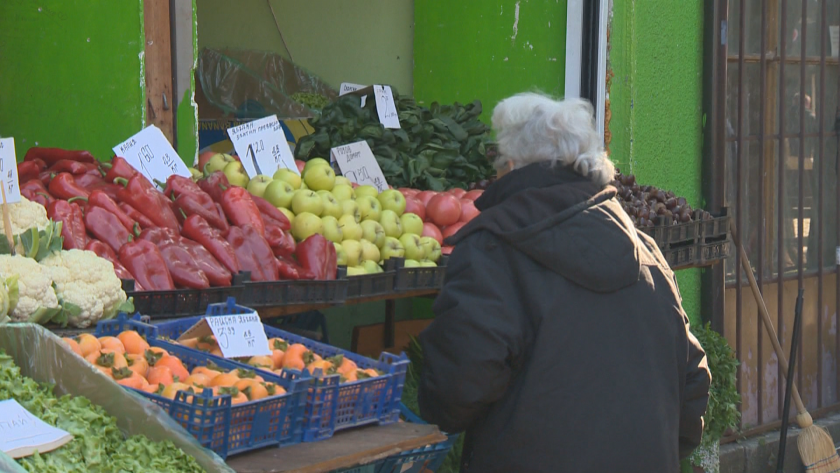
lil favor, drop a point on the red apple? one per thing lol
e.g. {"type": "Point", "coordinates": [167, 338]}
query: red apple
{"type": "Point", "coordinates": [468, 211]}
{"type": "Point", "coordinates": [473, 194]}
{"type": "Point", "coordinates": [431, 230]}
{"type": "Point", "coordinates": [447, 250]}
{"type": "Point", "coordinates": [203, 158]}
{"type": "Point", "coordinates": [425, 196]}
{"type": "Point", "coordinates": [414, 206]}
{"type": "Point", "coordinates": [457, 192]}
{"type": "Point", "coordinates": [300, 164]}
{"type": "Point", "coordinates": [408, 192]}
{"type": "Point", "coordinates": [452, 229]}
{"type": "Point", "coordinates": [444, 209]}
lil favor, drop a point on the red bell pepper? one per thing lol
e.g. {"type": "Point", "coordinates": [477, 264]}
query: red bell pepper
{"type": "Point", "coordinates": [241, 210]}
{"type": "Point", "coordinates": [27, 171]}
{"type": "Point", "coordinates": [100, 199]}
{"type": "Point", "coordinates": [35, 191]}
{"type": "Point", "coordinates": [118, 167]}
{"type": "Point", "coordinates": [282, 243]}
{"type": "Point", "coordinates": [272, 212]}
{"type": "Point", "coordinates": [106, 227]}
{"type": "Point", "coordinates": [185, 271]}
{"type": "Point", "coordinates": [177, 185]}
{"type": "Point", "coordinates": [111, 190]}
{"type": "Point", "coordinates": [215, 272]}
{"type": "Point", "coordinates": [63, 186]}
{"type": "Point", "coordinates": [289, 269]}
{"type": "Point", "coordinates": [200, 203]}
{"type": "Point", "coordinates": [54, 155]}
{"type": "Point", "coordinates": [46, 177]}
{"type": "Point", "coordinates": [73, 167]}
{"type": "Point", "coordinates": [317, 254]}
{"type": "Point", "coordinates": [90, 180]}
{"type": "Point", "coordinates": [72, 223]}
{"type": "Point", "coordinates": [215, 184]}
{"type": "Point", "coordinates": [104, 251]}
{"type": "Point", "coordinates": [196, 228]}
{"type": "Point", "coordinates": [254, 253]}
{"type": "Point", "coordinates": [138, 217]}
{"type": "Point", "coordinates": [145, 262]}
{"type": "Point", "coordinates": [140, 194]}
{"type": "Point", "coordinates": [42, 166]}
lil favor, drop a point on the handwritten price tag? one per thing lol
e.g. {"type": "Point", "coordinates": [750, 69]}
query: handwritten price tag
{"type": "Point", "coordinates": [262, 147]}
{"type": "Point", "coordinates": [151, 153]}
{"type": "Point", "coordinates": [21, 433]}
{"type": "Point", "coordinates": [239, 335]}
{"type": "Point", "coordinates": [358, 164]}
{"type": "Point", "coordinates": [385, 106]}
{"type": "Point", "coordinates": [8, 170]}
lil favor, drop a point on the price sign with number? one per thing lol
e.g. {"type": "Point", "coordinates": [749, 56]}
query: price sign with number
{"type": "Point", "coordinates": [358, 164]}
{"type": "Point", "coordinates": [385, 106]}
{"type": "Point", "coordinates": [8, 170]}
{"type": "Point", "coordinates": [262, 146]}
{"type": "Point", "coordinates": [151, 153]}
{"type": "Point", "coordinates": [239, 335]}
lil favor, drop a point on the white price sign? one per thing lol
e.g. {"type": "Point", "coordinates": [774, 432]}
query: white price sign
{"type": "Point", "coordinates": [241, 335]}
{"type": "Point", "coordinates": [385, 106]}
{"type": "Point", "coordinates": [8, 170]}
{"type": "Point", "coordinates": [358, 164]}
{"type": "Point", "coordinates": [151, 153]}
{"type": "Point", "coordinates": [21, 433]}
{"type": "Point", "coordinates": [347, 87]}
{"type": "Point", "coordinates": [262, 146]}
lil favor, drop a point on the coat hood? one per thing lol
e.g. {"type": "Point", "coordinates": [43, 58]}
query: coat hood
{"type": "Point", "coordinates": [564, 222]}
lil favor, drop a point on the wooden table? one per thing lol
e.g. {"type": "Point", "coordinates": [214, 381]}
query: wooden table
{"type": "Point", "coordinates": [345, 449]}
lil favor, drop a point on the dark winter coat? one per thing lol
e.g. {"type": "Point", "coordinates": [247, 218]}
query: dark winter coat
{"type": "Point", "coordinates": [560, 343]}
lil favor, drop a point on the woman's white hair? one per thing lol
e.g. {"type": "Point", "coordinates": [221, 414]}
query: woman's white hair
{"type": "Point", "coordinates": [532, 128]}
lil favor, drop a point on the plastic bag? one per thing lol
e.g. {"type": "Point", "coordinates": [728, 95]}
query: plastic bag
{"type": "Point", "coordinates": [255, 84]}
{"type": "Point", "coordinates": [42, 356]}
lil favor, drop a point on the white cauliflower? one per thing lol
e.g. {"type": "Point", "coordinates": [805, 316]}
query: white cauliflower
{"type": "Point", "coordinates": [85, 280]}
{"type": "Point", "coordinates": [25, 215]}
{"type": "Point", "coordinates": [37, 301]}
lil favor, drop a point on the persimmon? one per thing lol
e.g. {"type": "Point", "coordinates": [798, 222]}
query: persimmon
{"type": "Point", "coordinates": [206, 343]}
{"type": "Point", "coordinates": [170, 391]}
{"type": "Point", "coordinates": [207, 371]}
{"type": "Point", "coordinates": [197, 379]}
{"type": "Point", "coordinates": [73, 345]}
{"type": "Point", "coordinates": [278, 344]}
{"type": "Point", "coordinates": [237, 397]}
{"type": "Point", "coordinates": [252, 388]}
{"type": "Point", "coordinates": [175, 366]}
{"type": "Point", "coordinates": [277, 358]}
{"type": "Point", "coordinates": [89, 344]}
{"type": "Point", "coordinates": [224, 380]}
{"type": "Point", "coordinates": [295, 357]}
{"type": "Point", "coordinates": [160, 375]}
{"type": "Point", "coordinates": [323, 365]}
{"type": "Point", "coordinates": [112, 343]}
{"type": "Point", "coordinates": [158, 351]}
{"type": "Point", "coordinates": [152, 388]}
{"type": "Point", "coordinates": [133, 342]}
{"type": "Point", "coordinates": [216, 351]}
{"type": "Point", "coordinates": [274, 389]}
{"type": "Point", "coordinates": [137, 363]}
{"type": "Point", "coordinates": [261, 362]}
{"type": "Point", "coordinates": [128, 378]}
{"type": "Point", "coordinates": [344, 365]}
{"type": "Point", "coordinates": [189, 342]}
{"type": "Point", "coordinates": [112, 357]}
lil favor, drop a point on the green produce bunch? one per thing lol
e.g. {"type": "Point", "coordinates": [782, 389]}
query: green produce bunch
{"type": "Point", "coordinates": [311, 100]}
{"type": "Point", "coordinates": [98, 445]}
{"type": "Point", "coordinates": [437, 148]}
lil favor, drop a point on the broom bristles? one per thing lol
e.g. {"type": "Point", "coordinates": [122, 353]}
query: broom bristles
{"type": "Point", "coordinates": [816, 448]}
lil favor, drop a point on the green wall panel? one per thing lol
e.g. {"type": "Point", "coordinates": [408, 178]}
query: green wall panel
{"type": "Point", "coordinates": [71, 73]}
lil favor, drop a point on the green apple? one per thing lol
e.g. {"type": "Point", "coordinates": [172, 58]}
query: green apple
{"type": "Point", "coordinates": [351, 229]}
{"type": "Point", "coordinates": [372, 267]}
{"type": "Point", "coordinates": [340, 255]}
{"type": "Point", "coordinates": [391, 223]}
{"type": "Point", "coordinates": [343, 192]}
{"type": "Point", "coordinates": [369, 207]}
{"type": "Point", "coordinates": [392, 248]}
{"type": "Point", "coordinates": [303, 185]}
{"type": "Point", "coordinates": [289, 176]}
{"type": "Point", "coordinates": [392, 199]}
{"type": "Point", "coordinates": [373, 232]}
{"type": "Point", "coordinates": [350, 207]}
{"type": "Point", "coordinates": [412, 223]}
{"type": "Point", "coordinates": [356, 271]}
{"type": "Point", "coordinates": [236, 174]}
{"type": "Point", "coordinates": [370, 251]}
{"type": "Point", "coordinates": [410, 263]}
{"type": "Point", "coordinates": [413, 246]}
{"type": "Point", "coordinates": [341, 180]}
{"type": "Point", "coordinates": [305, 225]}
{"type": "Point", "coordinates": [307, 201]}
{"type": "Point", "coordinates": [259, 184]}
{"type": "Point", "coordinates": [314, 162]}
{"type": "Point", "coordinates": [431, 247]}
{"type": "Point", "coordinates": [353, 248]}
{"type": "Point", "coordinates": [331, 206]}
{"type": "Point", "coordinates": [288, 213]}
{"type": "Point", "coordinates": [332, 230]}
{"type": "Point", "coordinates": [427, 264]}
{"type": "Point", "coordinates": [218, 163]}
{"type": "Point", "coordinates": [319, 178]}
{"type": "Point", "coordinates": [366, 190]}
{"type": "Point", "coordinates": [279, 193]}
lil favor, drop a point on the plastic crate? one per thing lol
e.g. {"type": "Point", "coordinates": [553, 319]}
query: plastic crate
{"type": "Point", "coordinates": [428, 458]}
{"type": "Point", "coordinates": [330, 406]}
{"type": "Point", "coordinates": [372, 285]}
{"type": "Point", "coordinates": [181, 302]}
{"type": "Point", "coordinates": [217, 424]}
{"type": "Point", "coordinates": [418, 279]}
{"type": "Point", "coordinates": [668, 235]}
{"type": "Point", "coordinates": [294, 292]}
{"type": "Point", "coordinates": [697, 255]}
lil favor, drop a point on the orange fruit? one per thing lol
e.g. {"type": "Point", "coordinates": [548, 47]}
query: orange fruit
{"type": "Point", "coordinates": [160, 375]}
{"type": "Point", "coordinates": [175, 366]}
{"type": "Point", "coordinates": [73, 345]}
{"type": "Point", "coordinates": [138, 364]}
{"type": "Point", "coordinates": [224, 380]}
{"type": "Point", "coordinates": [252, 388]}
{"type": "Point", "coordinates": [112, 343]}
{"type": "Point", "coordinates": [89, 344]}
{"type": "Point", "coordinates": [134, 343]}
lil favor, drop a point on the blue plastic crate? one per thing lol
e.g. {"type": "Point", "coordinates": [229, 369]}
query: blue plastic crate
{"type": "Point", "coordinates": [217, 424]}
{"type": "Point", "coordinates": [428, 458]}
{"type": "Point", "coordinates": [332, 406]}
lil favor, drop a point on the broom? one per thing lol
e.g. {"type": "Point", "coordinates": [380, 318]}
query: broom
{"type": "Point", "coordinates": [816, 447]}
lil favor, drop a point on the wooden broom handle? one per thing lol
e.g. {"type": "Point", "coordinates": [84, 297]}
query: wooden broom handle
{"type": "Point", "coordinates": [765, 316]}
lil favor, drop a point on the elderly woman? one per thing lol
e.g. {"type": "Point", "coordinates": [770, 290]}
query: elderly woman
{"type": "Point", "coordinates": [560, 343]}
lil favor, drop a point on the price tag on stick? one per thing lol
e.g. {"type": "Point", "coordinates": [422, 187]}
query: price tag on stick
{"type": "Point", "coordinates": [262, 147]}
{"type": "Point", "coordinates": [22, 434]}
{"type": "Point", "coordinates": [239, 335]}
{"type": "Point", "coordinates": [358, 164]}
{"type": "Point", "coordinates": [152, 155]}
{"type": "Point", "coordinates": [8, 170]}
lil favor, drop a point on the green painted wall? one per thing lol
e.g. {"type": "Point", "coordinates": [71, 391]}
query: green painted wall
{"type": "Point", "coordinates": [72, 73]}
{"type": "Point", "coordinates": [186, 118]}
{"type": "Point", "coordinates": [656, 101]}
{"type": "Point", "coordinates": [488, 49]}
{"type": "Point", "coordinates": [363, 41]}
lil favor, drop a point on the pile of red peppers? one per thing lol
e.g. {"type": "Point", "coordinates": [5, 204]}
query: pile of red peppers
{"type": "Point", "coordinates": [193, 235]}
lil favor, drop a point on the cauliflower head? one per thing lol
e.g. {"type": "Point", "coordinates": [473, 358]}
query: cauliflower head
{"type": "Point", "coordinates": [25, 215]}
{"type": "Point", "coordinates": [34, 286]}
{"type": "Point", "coordinates": [84, 279]}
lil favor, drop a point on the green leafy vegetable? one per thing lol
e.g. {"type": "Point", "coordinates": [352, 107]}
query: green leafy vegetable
{"type": "Point", "coordinates": [722, 413]}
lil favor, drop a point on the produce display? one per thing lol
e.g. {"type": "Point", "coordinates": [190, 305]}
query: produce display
{"type": "Point", "coordinates": [649, 206]}
{"type": "Point", "coordinates": [437, 148]}
{"type": "Point", "coordinates": [98, 444]}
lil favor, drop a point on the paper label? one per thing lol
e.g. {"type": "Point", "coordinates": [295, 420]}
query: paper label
{"type": "Point", "coordinates": [8, 170]}
{"type": "Point", "coordinates": [347, 87]}
{"type": "Point", "coordinates": [240, 335]}
{"type": "Point", "coordinates": [358, 164]}
{"type": "Point", "coordinates": [385, 106]}
{"type": "Point", "coordinates": [151, 153]}
{"type": "Point", "coordinates": [21, 432]}
{"type": "Point", "coordinates": [262, 147]}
